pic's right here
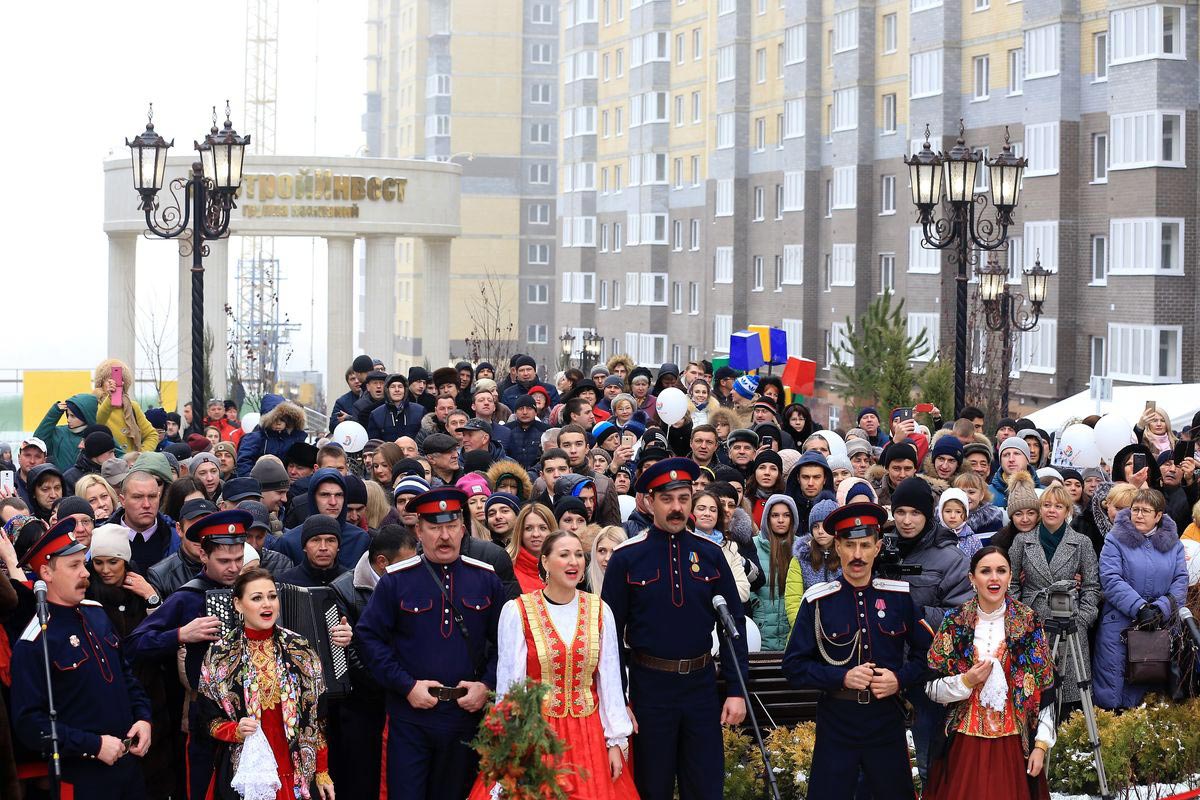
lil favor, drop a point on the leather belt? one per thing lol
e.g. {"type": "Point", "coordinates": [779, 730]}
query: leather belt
{"type": "Point", "coordinates": [679, 666]}
{"type": "Point", "coordinates": [862, 697]}
{"type": "Point", "coordinates": [448, 694]}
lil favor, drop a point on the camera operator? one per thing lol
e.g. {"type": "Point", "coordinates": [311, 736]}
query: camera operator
{"type": "Point", "coordinates": [941, 585]}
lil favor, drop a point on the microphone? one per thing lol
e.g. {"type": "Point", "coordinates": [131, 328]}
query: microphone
{"type": "Point", "coordinates": [722, 609]}
{"type": "Point", "coordinates": [43, 611]}
{"type": "Point", "coordinates": [1186, 617]}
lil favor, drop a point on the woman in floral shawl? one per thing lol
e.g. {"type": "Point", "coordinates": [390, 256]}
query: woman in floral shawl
{"type": "Point", "coordinates": [999, 684]}
{"type": "Point", "coordinates": [264, 676]}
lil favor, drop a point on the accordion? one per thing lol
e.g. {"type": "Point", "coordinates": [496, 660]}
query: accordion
{"type": "Point", "coordinates": [310, 612]}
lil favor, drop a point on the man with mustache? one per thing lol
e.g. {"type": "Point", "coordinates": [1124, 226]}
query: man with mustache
{"type": "Point", "coordinates": [849, 641]}
{"type": "Point", "coordinates": [660, 586]}
{"type": "Point", "coordinates": [102, 711]}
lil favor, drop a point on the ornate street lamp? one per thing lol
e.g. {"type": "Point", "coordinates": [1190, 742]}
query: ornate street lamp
{"type": "Point", "coordinates": [962, 228]}
{"type": "Point", "coordinates": [203, 215]}
{"type": "Point", "coordinates": [1005, 310]}
{"type": "Point", "coordinates": [567, 341]}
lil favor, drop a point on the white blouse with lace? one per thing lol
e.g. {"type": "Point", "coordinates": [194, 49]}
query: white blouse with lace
{"type": "Point", "coordinates": [513, 652]}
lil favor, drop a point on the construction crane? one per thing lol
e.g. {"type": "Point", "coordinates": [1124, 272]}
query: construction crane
{"type": "Point", "coordinates": [259, 337]}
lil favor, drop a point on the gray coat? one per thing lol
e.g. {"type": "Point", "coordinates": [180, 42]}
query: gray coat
{"type": "Point", "coordinates": [943, 584]}
{"type": "Point", "coordinates": [1032, 576]}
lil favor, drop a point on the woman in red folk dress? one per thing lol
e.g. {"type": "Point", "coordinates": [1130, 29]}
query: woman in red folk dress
{"type": "Point", "coordinates": [566, 638]}
{"type": "Point", "coordinates": [265, 676]}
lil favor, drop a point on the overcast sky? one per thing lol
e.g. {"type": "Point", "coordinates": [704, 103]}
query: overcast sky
{"type": "Point", "coordinates": [78, 77]}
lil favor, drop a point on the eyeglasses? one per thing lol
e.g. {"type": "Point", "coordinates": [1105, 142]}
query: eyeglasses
{"type": "Point", "coordinates": [1141, 510]}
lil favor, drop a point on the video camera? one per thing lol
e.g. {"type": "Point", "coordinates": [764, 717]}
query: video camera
{"type": "Point", "coordinates": [889, 563]}
{"type": "Point", "coordinates": [1061, 606]}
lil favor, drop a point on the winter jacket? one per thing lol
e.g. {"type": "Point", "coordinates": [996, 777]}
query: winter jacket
{"type": "Point", "coordinates": [1000, 488]}
{"type": "Point", "coordinates": [429, 426]}
{"type": "Point", "coordinates": [497, 556]}
{"type": "Point", "coordinates": [1134, 570]}
{"type": "Point", "coordinates": [83, 466]}
{"type": "Point", "coordinates": [343, 405]}
{"type": "Point", "coordinates": [62, 443]}
{"type": "Point", "coordinates": [741, 532]}
{"type": "Point", "coordinates": [146, 553]}
{"type": "Point", "coordinates": [364, 406]}
{"type": "Point", "coordinates": [525, 444]}
{"type": "Point", "coordinates": [113, 418]}
{"type": "Point", "coordinates": [608, 508]}
{"type": "Point", "coordinates": [389, 421]}
{"type": "Point", "coordinates": [354, 539]}
{"type": "Point", "coordinates": [509, 398]}
{"type": "Point", "coordinates": [262, 441]}
{"type": "Point", "coordinates": [172, 572]}
{"type": "Point", "coordinates": [767, 609]}
{"type": "Point", "coordinates": [878, 478]}
{"type": "Point", "coordinates": [792, 487]}
{"type": "Point", "coordinates": [986, 520]}
{"type": "Point", "coordinates": [802, 575]}
{"type": "Point", "coordinates": [37, 475]}
{"type": "Point", "coordinates": [943, 584]}
{"type": "Point", "coordinates": [1032, 578]}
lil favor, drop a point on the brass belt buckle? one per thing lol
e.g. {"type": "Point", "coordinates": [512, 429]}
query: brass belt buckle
{"type": "Point", "coordinates": [685, 666]}
{"type": "Point", "coordinates": [864, 697]}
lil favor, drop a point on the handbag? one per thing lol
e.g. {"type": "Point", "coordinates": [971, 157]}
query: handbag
{"type": "Point", "coordinates": [1147, 656]}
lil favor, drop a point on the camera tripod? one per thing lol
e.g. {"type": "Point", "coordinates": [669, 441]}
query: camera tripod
{"type": "Point", "coordinates": [1064, 629]}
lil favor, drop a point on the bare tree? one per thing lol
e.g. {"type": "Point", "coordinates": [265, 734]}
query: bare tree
{"type": "Point", "coordinates": [155, 344]}
{"type": "Point", "coordinates": [493, 333]}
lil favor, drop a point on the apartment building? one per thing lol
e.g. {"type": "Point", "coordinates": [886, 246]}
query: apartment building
{"type": "Point", "coordinates": [475, 82]}
{"type": "Point", "coordinates": [734, 162]}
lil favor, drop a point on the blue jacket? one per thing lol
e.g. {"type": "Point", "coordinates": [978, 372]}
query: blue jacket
{"type": "Point", "coordinates": [1000, 488]}
{"type": "Point", "coordinates": [262, 441]}
{"type": "Point", "coordinates": [343, 405]}
{"type": "Point", "coordinates": [524, 445]}
{"type": "Point", "coordinates": [355, 540]}
{"type": "Point", "coordinates": [389, 422]}
{"type": "Point", "coordinates": [516, 390]}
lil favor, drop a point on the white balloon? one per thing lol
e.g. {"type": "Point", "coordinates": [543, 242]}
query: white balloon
{"type": "Point", "coordinates": [671, 405]}
{"type": "Point", "coordinates": [628, 505]}
{"type": "Point", "coordinates": [1087, 457]}
{"type": "Point", "coordinates": [1076, 439]}
{"type": "Point", "coordinates": [1112, 433]}
{"type": "Point", "coordinates": [350, 435]}
{"type": "Point", "coordinates": [250, 421]}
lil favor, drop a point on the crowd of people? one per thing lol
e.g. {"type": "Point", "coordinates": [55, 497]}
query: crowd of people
{"type": "Point", "coordinates": [497, 527]}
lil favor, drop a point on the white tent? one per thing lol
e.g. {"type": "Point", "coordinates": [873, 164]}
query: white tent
{"type": "Point", "coordinates": [1180, 400]}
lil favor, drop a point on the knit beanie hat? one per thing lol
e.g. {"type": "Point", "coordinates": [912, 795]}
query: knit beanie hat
{"type": "Point", "coordinates": [819, 512]}
{"type": "Point", "coordinates": [948, 446]}
{"type": "Point", "coordinates": [573, 504]}
{"type": "Point", "coordinates": [856, 446]}
{"type": "Point", "coordinates": [1021, 493]}
{"type": "Point", "coordinates": [839, 461]}
{"type": "Point", "coordinates": [355, 491]}
{"type": "Point", "coordinates": [746, 386]}
{"type": "Point", "coordinates": [1016, 443]}
{"type": "Point", "coordinates": [98, 443]}
{"type": "Point", "coordinates": [899, 450]}
{"type": "Point", "coordinates": [320, 525]}
{"type": "Point", "coordinates": [768, 457]}
{"type": "Point", "coordinates": [472, 484]}
{"type": "Point", "coordinates": [410, 485]}
{"type": "Point", "coordinates": [789, 457]}
{"type": "Point", "coordinates": [953, 494]}
{"type": "Point", "coordinates": [110, 541]}
{"type": "Point", "coordinates": [75, 505]}
{"type": "Point", "coordinates": [916, 493]}
{"type": "Point", "coordinates": [866, 410]}
{"type": "Point", "coordinates": [502, 499]}
{"type": "Point", "coordinates": [858, 488]}
{"type": "Point", "coordinates": [270, 473]}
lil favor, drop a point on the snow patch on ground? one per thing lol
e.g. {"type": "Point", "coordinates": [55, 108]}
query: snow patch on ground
{"type": "Point", "coordinates": [1158, 791]}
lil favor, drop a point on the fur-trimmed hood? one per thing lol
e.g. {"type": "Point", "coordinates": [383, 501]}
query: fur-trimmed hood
{"type": "Point", "coordinates": [1164, 538]}
{"type": "Point", "coordinates": [275, 407]}
{"type": "Point", "coordinates": [877, 477]}
{"type": "Point", "coordinates": [507, 467]}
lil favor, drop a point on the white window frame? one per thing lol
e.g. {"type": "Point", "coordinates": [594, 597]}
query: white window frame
{"type": "Point", "coordinates": [793, 118]}
{"type": "Point", "coordinates": [887, 273]}
{"type": "Point", "coordinates": [1138, 34]}
{"type": "Point", "coordinates": [723, 264]}
{"type": "Point", "coordinates": [756, 274]}
{"type": "Point", "coordinates": [795, 45]}
{"type": "Point", "coordinates": [723, 207]}
{"type": "Point", "coordinates": [1016, 71]}
{"type": "Point", "coordinates": [845, 187]}
{"type": "Point", "coordinates": [693, 298]}
{"type": "Point", "coordinates": [1099, 56]}
{"type": "Point", "coordinates": [929, 322]}
{"type": "Point", "coordinates": [726, 63]}
{"type": "Point", "coordinates": [722, 331]}
{"type": "Point", "coordinates": [793, 190]}
{"type": "Point", "coordinates": [1039, 348]}
{"type": "Point", "coordinates": [1042, 51]}
{"type": "Point", "coordinates": [1136, 246]}
{"type": "Point", "coordinates": [1041, 242]}
{"type": "Point", "coordinates": [981, 78]}
{"type": "Point", "coordinates": [890, 35]}
{"type": "Point", "coordinates": [839, 337]}
{"type": "Point", "coordinates": [887, 195]}
{"type": "Point", "coordinates": [845, 30]}
{"type": "Point", "coordinates": [889, 113]}
{"type": "Point", "coordinates": [1042, 149]}
{"type": "Point", "coordinates": [537, 294]}
{"type": "Point", "coordinates": [845, 109]}
{"type": "Point", "coordinates": [843, 265]}
{"type": "Point", "coordinates": [1100, 157]}
{"type": "Point", "coordinates": [537, 334]}
{"type": "Point", "coordinates": [921, 260]}
{"type": "Point", "coordinates": [1099, 260]}
{"type": "Point", "coordinates": [726, 126]}
{"type": "Point", "coordinates": [793, 265]}
{"type": "Point", "coordinates": [1131, 346]}
{"type": "Point", "coordinates": [925, 74]}
{"type": "Point", "coordinates": [1136, 140]}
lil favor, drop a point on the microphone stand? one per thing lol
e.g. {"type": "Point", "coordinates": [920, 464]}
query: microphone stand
{"type": "Point", "coordinates": [762, 748]}
{"type": "Point", "coordinates": [55, 771]}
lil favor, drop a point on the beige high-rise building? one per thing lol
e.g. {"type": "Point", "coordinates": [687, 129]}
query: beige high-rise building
{"type": "Point", "coordinates": [474, 82]}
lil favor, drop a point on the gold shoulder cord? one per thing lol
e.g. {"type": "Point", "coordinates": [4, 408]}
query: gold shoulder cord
{"type": "Point", "coordinates": [821, 639]}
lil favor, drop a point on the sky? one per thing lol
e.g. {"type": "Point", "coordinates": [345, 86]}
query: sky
{"type": "Point", "coordinates": [79, 75]}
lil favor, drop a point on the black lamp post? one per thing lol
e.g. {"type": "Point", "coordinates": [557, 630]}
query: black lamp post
{"type": "Point", "coordinates": [203, 215]}
{"type": "Point", "coordinates": [567, 341]}
{"type": "Point", "coordinates": [591, 350]}
{"type": "Point", "coordinates": [1005, 309]}
{"type": "Point", "coordinates": [962, 225]}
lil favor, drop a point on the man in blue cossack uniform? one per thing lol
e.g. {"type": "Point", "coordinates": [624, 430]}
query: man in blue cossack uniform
{"type": "Point", "coordinates": [428, 635]}
{"type": "Point", "coordinates": [183, 621]}
{"type": "Point", "coordinates": [660, 586]}
{"type": "Point", "coordinates": [103, 720]}
{"type": "Point", "coordinates": [849, 641]}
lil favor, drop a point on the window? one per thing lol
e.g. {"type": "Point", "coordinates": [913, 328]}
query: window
{"type": "Point", "coordinates": [887, 272]}
{"type": "Point", "coordinates": [620, 61]}
{"type": "Point", "coordinates": [676, 298]}
{"type": "Point", "coordinates": [757, 272]}
{"type": "Point", "coordinates": [982, 72]}
{"type": "Point", "coordinates": [680, 117]}
{"type": "Point", "coordinates": [1144, 353]}
{"type": "Point", "coordinates": [604, 238]}
{"type": "Point", "coordinates": [760, 204]}
{"type": "Point", "coordinates": [794, 44]}
{"type": "Point", "coordinates": [633, 285]}
{"type": "Point", "coordinates": [760, 65]}
{"type": "Point", "coordinates": [1041, 241]}
{"type": "Point", "coordinates": [617, 178]}
{"type": "Point", "coordinates": [1099, 359]}
{"type": "Point", "coordinates": [793, 118]}
{"type": "Point", "coordinates": [921, 259]}
{"type": "Point", "coordinates": [726, 63]}
{"type": "Point", "coordinates": [842, 272]}
{"type": "Point", "coordinates": [539, 173]}
{"type": "Point", "coordinates": [603, 295]}
{"type": "Point", "coordinates": [693, 297]}
{"type": "Point", "coordinates": [983, 174]}
{"type": "Point", "coordinates": [827, 278]}
{"type": "Point", "coordinates": [694, 235]}
{"type": "Point", "coordinates": [1041, 148]}
{"type": "Point", "coordinates": [438, 86]}
{"type": "Point", "coordinates": [889, 113]}
{"type": "Point", "coordinates": [726, 6]}
{"type": "Point", "coordinates": [539, 133]}
{"type": "Point", "coordinates": [1016, 258]}
{"type": "Point", "coordinates": [723, 265]}
{"type": "Point", "coordinates": [679, 51]}
{"type": "Point", "coordinates": [537, 293]}
{"type": "Point", "coordinates": [543, 15]}
{"type": "Point", "coordinates": [722, 331]}
{"type": "Point", "coordinates": [982, 5]}
{"type": "Point", "coordinates": [437, 125]}
{"type": "Point", "coordinates": [619, 120]}
{"type": "Point", "coordinates": [1039, 348]}
{"type": "Point", "coordinates": [579, 287]}
{"type": "Point", "coordinates": [651, 349]}
{"type": "Point", "coordinates": [1100, 55]}
{"type": "Point", "coordinates": [845, 109]}
{"type": "Point", "coordinates": [927, 324]}
{"type": "Point", "coordinates": [793, 335]}
{"type": "Point", "coordinates": [725, 128]}
{"type": "Point", "coordinates": [1099, 260]}
{"type": "Point", "coordinates": [618, 243]}
{"type": "Point", "coordinates": [1146, 32]}
{"type": "Point", "coordinates": [778, 273]}
{"type": "Point", "coordinates": [678, 164]}
{"type": "Point", "coordinates": [1041, 52]}
{"type": "Point", "coordinates": [845, 31]}
{"type": "Point", "coordinates": [539, 213]}
{"type": "Point", "coordinates": [1146, 139]}
{"type": "Point", "coordinates": [839, 345]}
{"type": "Point", "coordinates": [677, 235]}
{"type": "Point", "coordinates": [1099, 158]}
{"type": "Point", "coordinates": [537, 334]}
{"type": "Point", "coordinates": [793, 190]}
{"type": "Point", "coordinates": [695, 107]}
{"type": "Point", "coordinates": [654, 288]}
{"type": "Point", "coordinates": [697, 50]}
{"type": "Point", "coordinates": [539, 54]}
{"type": "Point", "coordinates": [616, 293]}
{"type": "Point", "coordinates": [539, 93]}
{"type": "Point", "coordinates": [760, 134]}
{"type": "Point", "coordinates": [845, 187]}
{"type": "Point", "coordinates": [1146, 246]}
{"type": "Point", "coordinates": [1016, 71]}
{"type": "Point", "coordinates": [887, 194]}
{"type": "Point", "coordinates": [925, 74]}
{"type": "Point", "coordinates": [828, 198]}
{"type": "Point", "coordinates": [889, 33]}
{"type": "Point", "coordinates": [793, 264]}
{"type": "Point", "coordinates": [724, 204]}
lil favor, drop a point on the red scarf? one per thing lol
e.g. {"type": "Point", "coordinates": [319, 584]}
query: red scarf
{"type": "Point", "coordinates": [526, 568]}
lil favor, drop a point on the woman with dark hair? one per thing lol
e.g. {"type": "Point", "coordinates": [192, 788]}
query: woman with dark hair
{"type": "Point", "coordinates": [771, 388]}
{"type": "Point", "coordinates": [998, 681]}
{"type": "Point", "coordinates": [765, 480]}
{"type": "Point", "coordinates": [260, 676]}
{"type": "Point", "coordinates": [566, 639]}
{"type": "Point", "coordinates": [798, 422]}
{"type": "Point", "coordinates": [814, 559]}
{"type": "Point", "coordinates": [178, 493]}
{"type": "Point", "coordinates": [774, 543]}
{"type": "Point", "coordinates": [708, 517]}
